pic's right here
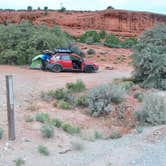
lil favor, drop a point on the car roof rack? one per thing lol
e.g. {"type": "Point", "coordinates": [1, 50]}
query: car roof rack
{"type": "Point", "coordinates": [62, 50]}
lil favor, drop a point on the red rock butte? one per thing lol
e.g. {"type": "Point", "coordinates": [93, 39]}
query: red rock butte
{"type": "Point", "coordinates": [120, 22]}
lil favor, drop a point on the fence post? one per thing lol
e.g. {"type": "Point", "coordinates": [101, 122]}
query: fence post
{"type": "Point", "coordinates": [10, 107]}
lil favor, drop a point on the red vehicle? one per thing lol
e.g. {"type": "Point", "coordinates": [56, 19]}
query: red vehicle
{"type": "Point", "coordinates": [70, 62]}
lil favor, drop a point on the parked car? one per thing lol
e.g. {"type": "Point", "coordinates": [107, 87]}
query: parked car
{"type": "Point", "coordinates": [66, 61]}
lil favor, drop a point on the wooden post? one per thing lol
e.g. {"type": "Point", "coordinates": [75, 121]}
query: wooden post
{"type": "Point", "coordinates": [10, 107]}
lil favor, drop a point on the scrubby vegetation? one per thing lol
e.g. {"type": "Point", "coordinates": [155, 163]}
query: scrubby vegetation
{"type": "Point", "coordinates": [19, 162]}
{"type": "Point", "coordinates": [110, 40]}
{"type": "Point", "coordinates": [149, 58]}
{"type": "Point", "coordinates": [79, 86]}
{"type": "Point", "coordinates": [153, 109]}
{"type": "Point", "coordinates": [56, 122]}
{"type": "Point", "coordinates": [115, 134]}
{"type": "Point", "coordinates": [42, 117]}
{"type": "Point", "coordinates": [19, 43]}
{"type": "Point", "coordinates": [43, 150]}
{"type": "Point", "coordinates": [71, 129]}
{"type": "Point", "coordinates": [101, 98]}
{"type": "Point", "coordinates": [47, 131]}
{"type": "Point", "coordinates": [1, 132]}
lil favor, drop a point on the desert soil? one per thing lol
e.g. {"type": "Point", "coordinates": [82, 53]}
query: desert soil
{"type": "Point", "coordinates": [145, 149]}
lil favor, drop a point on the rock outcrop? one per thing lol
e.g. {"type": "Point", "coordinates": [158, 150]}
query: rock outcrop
{"type": "Point", "coordinates": [121, 22]}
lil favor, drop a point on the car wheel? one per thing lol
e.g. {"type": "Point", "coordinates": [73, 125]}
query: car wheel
{"type": "Point", "coordinates": [57, 68]}
{"type": "Point", "coordinates": [89, 69]}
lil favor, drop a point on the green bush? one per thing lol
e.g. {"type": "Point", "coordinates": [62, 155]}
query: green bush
{"type": "Point", "coordinates": [112, 41]}
{"type": "Point", "coordinates": [100, 100]}
{"type": "Point", "coordinates": [42, 117]}
{"type": "Point", "coordinates": [64, 105]}
{"type": "Point", "coordinates": [90, 37]}
{"type": "Point", "coordinates": [149, 58]}
{"type": "Point", "coordinates": [79, 86]}
{"type": "Point", "coordinates": [20, 42]}
{"type": "Point", "coordinates": [152, 110]}
{"type": "Point", "coordinates": [91, 51]}
{"type": "Point", "coordinates": [56, 122]}
{"type": "Point", "coordinates": [71, 129]}
{"type": "Point", "coordinates": [1, 132]}
{"type": "Point", "coordinates": [82, 101]}
{"type": "Point", "coordinates": [129, 42]}
{"type": "Point", "coordinates": [47, 131]}
{"type": "Point", "coordinates": [19, 162]}
{"type": "Point", "coordinates": [43, 150]}
{"type": "Point", "coordinates": [98, 135]}
{"type": "Point", "coordinates": [60, 94]}
{"type": "Point", "coordinates": [115, 134]}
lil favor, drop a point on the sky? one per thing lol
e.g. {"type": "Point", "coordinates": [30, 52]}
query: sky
{"type": "Point", "coordinates": [156, 6]}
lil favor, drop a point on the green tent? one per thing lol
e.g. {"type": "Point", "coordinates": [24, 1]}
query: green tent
{"type": "Point", "coordinates": [36, 62]}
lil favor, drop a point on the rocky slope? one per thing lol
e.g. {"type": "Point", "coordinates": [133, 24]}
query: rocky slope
{"type": "Point", "coordinates": [120, 22]}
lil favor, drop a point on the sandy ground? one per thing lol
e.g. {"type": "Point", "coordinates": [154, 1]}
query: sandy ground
{"type": "Point", "coordinates": [145, 149]}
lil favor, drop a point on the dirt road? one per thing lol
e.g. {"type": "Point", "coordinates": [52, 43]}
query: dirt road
{"type": "Point", "coordinates": [28, 82]}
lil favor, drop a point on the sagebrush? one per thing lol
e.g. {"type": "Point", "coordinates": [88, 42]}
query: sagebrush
{"type": "Point", "coordinates": [153, 109]}
{"type": "Point", "coordinates": [149, 58]}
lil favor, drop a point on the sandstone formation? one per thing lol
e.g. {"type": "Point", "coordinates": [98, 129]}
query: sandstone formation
{"type": "Point", "coordinates": [121, 22]}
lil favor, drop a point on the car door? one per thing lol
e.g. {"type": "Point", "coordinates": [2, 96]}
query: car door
{"type": "Point", "coordinates": [66, 61]}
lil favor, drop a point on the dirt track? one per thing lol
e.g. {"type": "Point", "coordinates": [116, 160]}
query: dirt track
{"type": "Point", "coordinates": [27, 82]}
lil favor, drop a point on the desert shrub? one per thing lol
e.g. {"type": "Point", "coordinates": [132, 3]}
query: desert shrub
{"type": "Point", "coordinates": [129, 42]}
{"type": "Point", "coordinates": [19, 162]}
{"type": "Point", "coordinates": [62, 9]}
{"type": "Point", "coordinates": [19, 42]}
{"type": "Point", "coordinates": [71, 129]}
{"type": "Point", "coordinates": [90, 37]}
{"type": "Point", "coordinates": [79, 86]}
{"type": "Point", "coordinates": [112, 41]}
{"type": "Point", "coordinates": [98, 135]}
{"type": "Point", "coordinates": [126, 85]}
{"type": "Point", "coordinates": [139, 96]}
{"type": "Point", "coordinates": [77, 145]}
{"type": "Point", "coordinates": [47, 131]}
{"type": "Point", "coordinates": [91, 51]}
{"type": "Point", "coordinates": [149, 58]}
{"type": "Point", "coordinates": [1, 132]}
{"type": "Point", "coordinates": [42, 117]}
{"type": "Point", "coordinates": [115, 134]}
{"type": "Point", "coordinates": [56, 122]}
{"type": "Point", "coordinates": [82, 101]}
{"type": "Point", "coordinates": [117, 94]}
{"type": "Point", "coordinates": [43, 150]}
{"type": "Point", "coordinates": [61, 94]}
{"type": "Point", "coordinates": [153, 109]}
{"type": "Point", "coordinates": [63, 104]}
{"type": "Point", "coordinates": [100, 100]}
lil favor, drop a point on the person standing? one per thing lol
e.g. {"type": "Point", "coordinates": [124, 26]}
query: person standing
{"type": "Point", "coordinates": [45, 59]}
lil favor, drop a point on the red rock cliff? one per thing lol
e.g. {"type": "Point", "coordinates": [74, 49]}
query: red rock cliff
{"type": "Point", "coordinates": [120, 22]}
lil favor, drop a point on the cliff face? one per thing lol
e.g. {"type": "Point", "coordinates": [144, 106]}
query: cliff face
{"type": "Point", "coordinates": [121, 22]}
